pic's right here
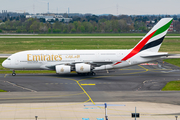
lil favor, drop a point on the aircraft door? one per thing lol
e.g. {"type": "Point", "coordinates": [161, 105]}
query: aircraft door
{"type": "Point", "coordinates": [118, 54]}
{"type": "Point", "coordinates": [97, 54]}
{"type": "Point", "coordinates": [16, 62]}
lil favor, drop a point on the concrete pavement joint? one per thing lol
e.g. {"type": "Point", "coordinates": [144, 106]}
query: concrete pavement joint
{"type": "Point", "coordinates": [43, 96]}
{"type": "Point", "coordinates": [13, 84]}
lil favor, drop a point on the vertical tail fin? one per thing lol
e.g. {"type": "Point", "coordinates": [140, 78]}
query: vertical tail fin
{"type": "Point", "coordinates": [151, 42]}
{"type": "Point", "coordinates": [153, 39]}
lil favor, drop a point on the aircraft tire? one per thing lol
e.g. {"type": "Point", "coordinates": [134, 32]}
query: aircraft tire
{"type": "Point", "coordinates": [93, 73]}
{"type": "Point", "coordinates": [13, 74]}
{"type": "Point", "coordinates": [80, 74]}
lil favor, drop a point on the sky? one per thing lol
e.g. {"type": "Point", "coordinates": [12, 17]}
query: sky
{"type": "Point", "coordinates": [115, 7]}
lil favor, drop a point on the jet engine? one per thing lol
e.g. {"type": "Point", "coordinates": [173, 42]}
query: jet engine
{"type": "Point", "coordinates": [62, 69]}
{"type": "Point", "coordinates": [82, 68]}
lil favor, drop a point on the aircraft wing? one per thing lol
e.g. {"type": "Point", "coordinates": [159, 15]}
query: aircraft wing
{"type": "Point", "coordinates": [157, 55]}
{"type": "Point", "coordinates": [93, 63]}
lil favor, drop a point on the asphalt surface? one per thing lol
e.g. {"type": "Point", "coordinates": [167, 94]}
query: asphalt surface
{"type": "Point", "coordinates": [137, 83]}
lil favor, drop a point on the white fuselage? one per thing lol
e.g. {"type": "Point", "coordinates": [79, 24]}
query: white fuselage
{"type": "Point", "coordinates": [43, 59]}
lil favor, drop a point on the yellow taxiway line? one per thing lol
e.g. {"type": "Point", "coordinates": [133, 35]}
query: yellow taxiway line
{"type": "Point", "coordinates": [88, 84]}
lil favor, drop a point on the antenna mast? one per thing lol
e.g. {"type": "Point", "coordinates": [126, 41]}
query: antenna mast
{"type": "Point", "coordinates": [48, 6]}
{"type": "Point", "coordinates": [117, 9]}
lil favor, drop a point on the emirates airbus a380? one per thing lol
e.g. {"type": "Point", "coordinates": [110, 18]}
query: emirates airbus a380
{"type": "Point", "coordinates": [88, 61]}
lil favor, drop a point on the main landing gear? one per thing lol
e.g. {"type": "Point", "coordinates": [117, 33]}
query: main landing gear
{"type": "Point", "coordinates": [13, 74]}
{"type": "Point", "coordinates": [93, 73]}
{"type": "Point", "coordinates": [90, 73]}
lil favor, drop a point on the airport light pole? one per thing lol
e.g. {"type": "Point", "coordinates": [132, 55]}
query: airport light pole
{"type": "Point", "coordinates": [105, 106]}
{"type": "Point", "coordinates": [135, 113]}
{"type": "Point", "coordinates": [106, 117]}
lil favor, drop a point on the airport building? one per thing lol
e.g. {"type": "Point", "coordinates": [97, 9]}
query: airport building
{"type": "Point", "coordinates": [50, 17]}
{"type": "Point", "coordinates": [171, 29]}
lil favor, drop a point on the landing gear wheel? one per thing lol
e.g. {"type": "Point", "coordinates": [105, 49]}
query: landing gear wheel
{"type": "Point", "coordinates": [13, 74]}
{"type": "Point", "coordinates": [79, 73]}
{"type": "Point", "coordinates": [85, 74]}
{"type": "Point", "coordinates": [93, 73]}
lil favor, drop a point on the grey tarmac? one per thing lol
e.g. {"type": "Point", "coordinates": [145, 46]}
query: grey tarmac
{"type": "Point", "coordinates": [136, 83]}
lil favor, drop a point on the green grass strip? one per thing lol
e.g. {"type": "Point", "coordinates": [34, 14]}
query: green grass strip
{"type": "Point", "coordinates": [2, 90]}
{"type": "Point", "coordinates": [90, 34]}
{"type": "Point", "coordinates": [172, 86]}
{"type": "Point", "coordinates": [94, 34]}
{"type": "Point", "coordinates": [175, 61]}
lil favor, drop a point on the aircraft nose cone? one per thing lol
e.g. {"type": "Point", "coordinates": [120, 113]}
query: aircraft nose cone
{"type": "Point", "coordinates": [4, 64]}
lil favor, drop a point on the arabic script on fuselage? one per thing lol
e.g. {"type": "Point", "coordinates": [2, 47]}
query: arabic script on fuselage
{"type": "Point", "coordinates": [42, 57]}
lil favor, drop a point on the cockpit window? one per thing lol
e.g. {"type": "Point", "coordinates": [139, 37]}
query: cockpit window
{"type": "Point", "coordinates": [9, 59]}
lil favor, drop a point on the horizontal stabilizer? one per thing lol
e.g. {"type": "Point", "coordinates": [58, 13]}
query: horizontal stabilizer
{"type": "Point", "coordinates": [157, 55]}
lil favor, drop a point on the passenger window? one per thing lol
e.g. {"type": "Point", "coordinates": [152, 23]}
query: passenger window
{"type": "Point", "coordinates": [9, 59]}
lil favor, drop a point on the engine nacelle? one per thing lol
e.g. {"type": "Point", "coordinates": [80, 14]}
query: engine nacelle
{"type": "Point", "coordinates": [63, 69]}
{"type": "Point", "coordinates": [82, 68]}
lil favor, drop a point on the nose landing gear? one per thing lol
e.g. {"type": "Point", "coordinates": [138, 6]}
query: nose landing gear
{"type": "Point", "coordinates": [13, 74]}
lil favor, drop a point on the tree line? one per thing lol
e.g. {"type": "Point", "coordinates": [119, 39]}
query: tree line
{"type": "Point", "coordinates": [84, 24]}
